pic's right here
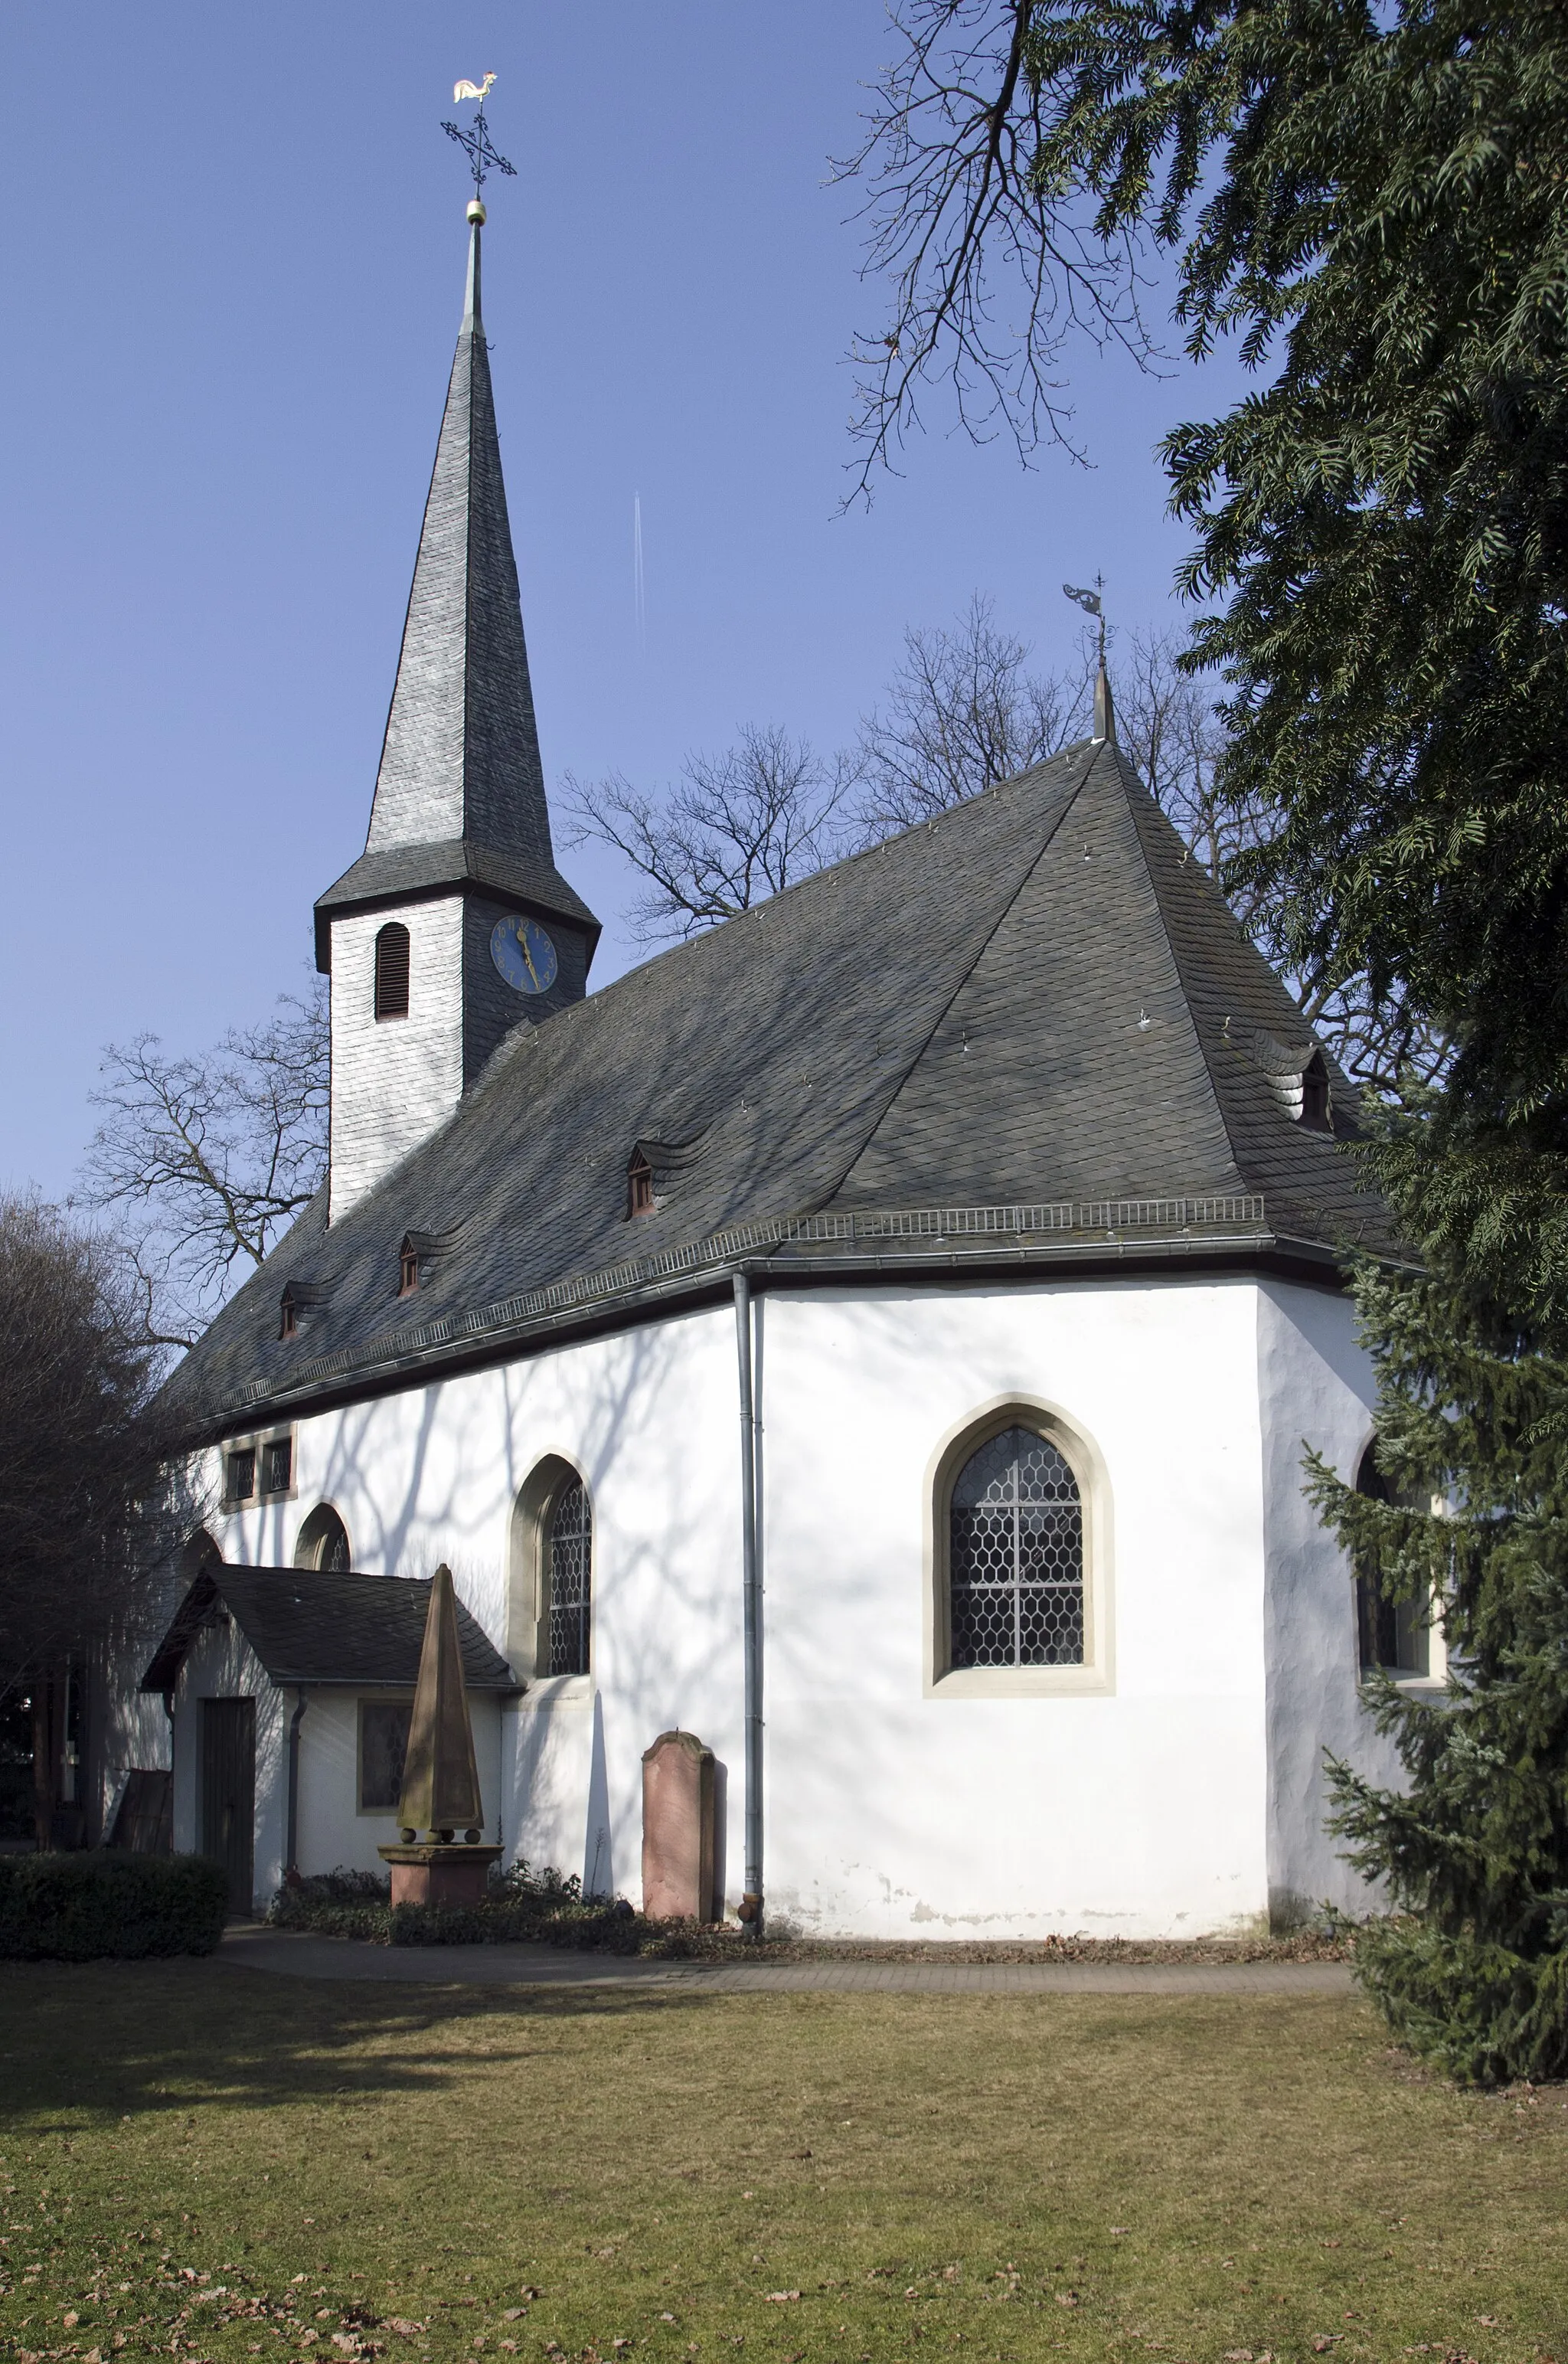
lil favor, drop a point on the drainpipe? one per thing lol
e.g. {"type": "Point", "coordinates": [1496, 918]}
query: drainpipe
{"type": "Point", "coordinates": [291, 1864]}
{"type": "Point", "coordinates": [751, 1902]}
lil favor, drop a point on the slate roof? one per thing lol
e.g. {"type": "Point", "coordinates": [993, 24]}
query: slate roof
{"type": "Point", "coordinates": [311, 1626]}
{"type": "Point", "coordinates": [460, 793]}
{"type": "Point", "coordinates": [1036, 1013]}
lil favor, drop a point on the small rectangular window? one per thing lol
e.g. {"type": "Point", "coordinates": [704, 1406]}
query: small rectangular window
{"type": "Point", "coordinates": [640, 1187]}
{"type": "Point", "coordinates": [288, 1327]}
{"type": "Point", "coordinates": [240, 1473]}
{"type": "Point", "coordinates": [410, 1271]}
{"type": "Point", "coordinates": [383, 1745]}
{"type": "Point", "coordinates": [277, 1465]}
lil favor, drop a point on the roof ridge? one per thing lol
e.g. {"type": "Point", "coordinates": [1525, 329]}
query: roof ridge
{"type": "Point", "coordinates": [987, 939]}
{"type": "Point", "coordinates": [1143, 806]}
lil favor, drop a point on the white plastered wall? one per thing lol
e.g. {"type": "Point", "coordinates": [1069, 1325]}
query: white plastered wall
{"type": "Point", "coordinates": [892, 1809]}
{"type": "Point", "coordinates": [1176, 1798]}
{"type": "Point", "coordinates": [220, 1664]}
{"type": "Point", "coordinates": [331, 1834]}
{"type": "Point", "coordinates": [649, 1419]}
{"type": "Point", "coordinates": [394, 1079]}
{"type": "Point", "coordinates": [1137, 1809]}
{"type": "Point", "coordinates": [1315, 1385]}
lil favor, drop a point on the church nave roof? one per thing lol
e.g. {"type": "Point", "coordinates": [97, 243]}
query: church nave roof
{"type": "Point", "coordinates": [1038, 1001]}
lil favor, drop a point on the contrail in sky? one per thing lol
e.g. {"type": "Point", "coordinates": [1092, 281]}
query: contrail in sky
{"type": "Point", "coordinates": [640, 604]}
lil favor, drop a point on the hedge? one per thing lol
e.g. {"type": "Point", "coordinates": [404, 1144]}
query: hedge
{"type": "Point", "coordinates": [81, 1908]}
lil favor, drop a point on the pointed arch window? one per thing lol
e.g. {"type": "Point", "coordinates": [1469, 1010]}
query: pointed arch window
{"type": "Point", "coordinates": [569, 1579]}
{"type": "Point", "coordinates": [323, 1542]}
{"type": "Point", "coordinates": [1400, 1636]}
{"type": "Point", "coordinates": [1015, 1557]}
{"type": "Point", "coordinates": [392, 971]}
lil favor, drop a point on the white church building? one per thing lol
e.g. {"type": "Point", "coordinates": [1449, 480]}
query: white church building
{"type": "Point", "coordinates": [879, 1337]}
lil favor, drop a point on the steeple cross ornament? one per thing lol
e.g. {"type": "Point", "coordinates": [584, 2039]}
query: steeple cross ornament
{"type": "Point", "coordinates": [481, 156]}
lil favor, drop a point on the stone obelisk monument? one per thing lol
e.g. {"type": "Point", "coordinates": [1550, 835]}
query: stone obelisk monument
{"type": "Point", "coordinates": [431, 1865]}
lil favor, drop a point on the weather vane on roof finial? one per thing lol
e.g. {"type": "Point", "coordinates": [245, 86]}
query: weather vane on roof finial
{"type": "Point", "coordinates": [481, 156]}
{"type": "Point", "coordinates": [1093, 604]}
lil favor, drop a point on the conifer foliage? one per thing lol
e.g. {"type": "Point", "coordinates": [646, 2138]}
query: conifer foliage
{"type": "Point", "coordinates": [1473, 1423]}
{"type": "Point", "coordinates": [1375, 204]}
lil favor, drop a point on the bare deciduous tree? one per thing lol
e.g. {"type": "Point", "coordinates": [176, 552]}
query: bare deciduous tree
{"type": "Point", "coordinates": [991, 269]}
{"type": "Point", "coordinates": [739, 826]}
{"type": "Point", "coordinates": [89, 1514]}
{"type": "Point", "coordinates": [961, 712]}
{"type": "Point", "coordinates": [206, 1160]}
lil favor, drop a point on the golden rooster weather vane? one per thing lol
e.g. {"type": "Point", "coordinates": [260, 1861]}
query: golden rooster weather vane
{"type": "Point", "coordinates": [481, 156]}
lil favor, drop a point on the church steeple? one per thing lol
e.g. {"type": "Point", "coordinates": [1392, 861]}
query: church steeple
{"type": "Point", "coordinates": [460, 757]}
{"type": "Point", "coordinates": [458, 865]}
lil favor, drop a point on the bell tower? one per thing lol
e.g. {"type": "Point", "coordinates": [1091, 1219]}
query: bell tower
{"type": "Point", "coordinates": [454, 925]}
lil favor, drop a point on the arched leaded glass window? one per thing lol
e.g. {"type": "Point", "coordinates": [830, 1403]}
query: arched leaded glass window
{"type": "Point", "coordinates": [569, 1579]}
{"type": "Point", "coordinates": [323, 1541]}
{"type": "Point", "coordinates": [1015, 1557]}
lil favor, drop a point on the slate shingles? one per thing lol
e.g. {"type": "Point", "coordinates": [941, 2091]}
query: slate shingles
{"type": "Point", "coordinates": [461, 758]}
{"type": "Point", "coordinates": [954, 1018]}
{"type": "Point", "coordinates": [325, 1627]}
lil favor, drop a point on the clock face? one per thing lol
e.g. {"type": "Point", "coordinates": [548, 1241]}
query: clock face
{"type": "Point", "coordinates": [524, 954]}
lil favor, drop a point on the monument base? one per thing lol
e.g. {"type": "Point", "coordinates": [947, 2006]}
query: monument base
{"type": "Point", "coordinates": [439, 1873]}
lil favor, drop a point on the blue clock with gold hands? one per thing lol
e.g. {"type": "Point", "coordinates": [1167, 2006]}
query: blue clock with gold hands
{"type": "Point", "coordinates": [524, 954]}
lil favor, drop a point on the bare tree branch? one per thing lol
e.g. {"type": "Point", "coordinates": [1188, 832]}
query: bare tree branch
{"type": "Point", "coordinates": [954, 203]}
{"type": "Point", "coordinates": [961, 713]}
{"type": "Point", "coordinates": [208, 1159]}
{"type": "Point", "coordinates": [739, 827]}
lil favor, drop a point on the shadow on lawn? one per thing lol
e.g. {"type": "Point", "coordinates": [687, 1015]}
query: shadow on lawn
{"type": "Point", "coordinates": [81, 2043]}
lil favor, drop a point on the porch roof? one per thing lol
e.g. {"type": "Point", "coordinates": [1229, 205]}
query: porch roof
{"type": "Point", "coordinates": [314, 1626]}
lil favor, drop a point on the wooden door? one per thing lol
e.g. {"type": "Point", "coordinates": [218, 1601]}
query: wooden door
{"type": "Point", "coordinates": [228, 1793]}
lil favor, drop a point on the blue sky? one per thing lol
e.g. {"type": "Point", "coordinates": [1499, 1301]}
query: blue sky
{"type": "Point", "coordinates": [232, 270]}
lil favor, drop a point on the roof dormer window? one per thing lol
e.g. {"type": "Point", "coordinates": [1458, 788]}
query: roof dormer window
{"type": "Point", "coordinates": [1316, 1113]}
{"type": "Point", "coordinates": [296, 1306]}
{"type": "Point", "coordinates": [413, 1256]}
{"type": "Point", "coordinates": [638, 1187]}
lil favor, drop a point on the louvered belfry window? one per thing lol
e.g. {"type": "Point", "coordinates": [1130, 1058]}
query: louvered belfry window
{"type": "Point", "coordinates": [392, 971]}
{"type": "Point", "coordinates": [570, 1580]}
{"type": "Point", "coordinates": [1015, 1557]}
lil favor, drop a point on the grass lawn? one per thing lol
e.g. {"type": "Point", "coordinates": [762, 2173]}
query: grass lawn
{"type": "Point", "coordinates": [219, 2163]}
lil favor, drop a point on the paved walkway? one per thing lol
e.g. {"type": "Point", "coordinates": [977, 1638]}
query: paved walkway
{"type": "Point", "coordinates": [298, 1955]}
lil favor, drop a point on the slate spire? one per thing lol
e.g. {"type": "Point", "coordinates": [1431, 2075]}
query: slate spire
{"type": "Point", "coordinates": [460, 757]}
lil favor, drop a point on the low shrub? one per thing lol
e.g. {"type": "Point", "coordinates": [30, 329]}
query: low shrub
{"type": "Point", "coordinates": [84, 1908]}
{"type": "Point", "coordinates": [335, 1905]}
{"type": "Point", "coordinates": [520, 1905]}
